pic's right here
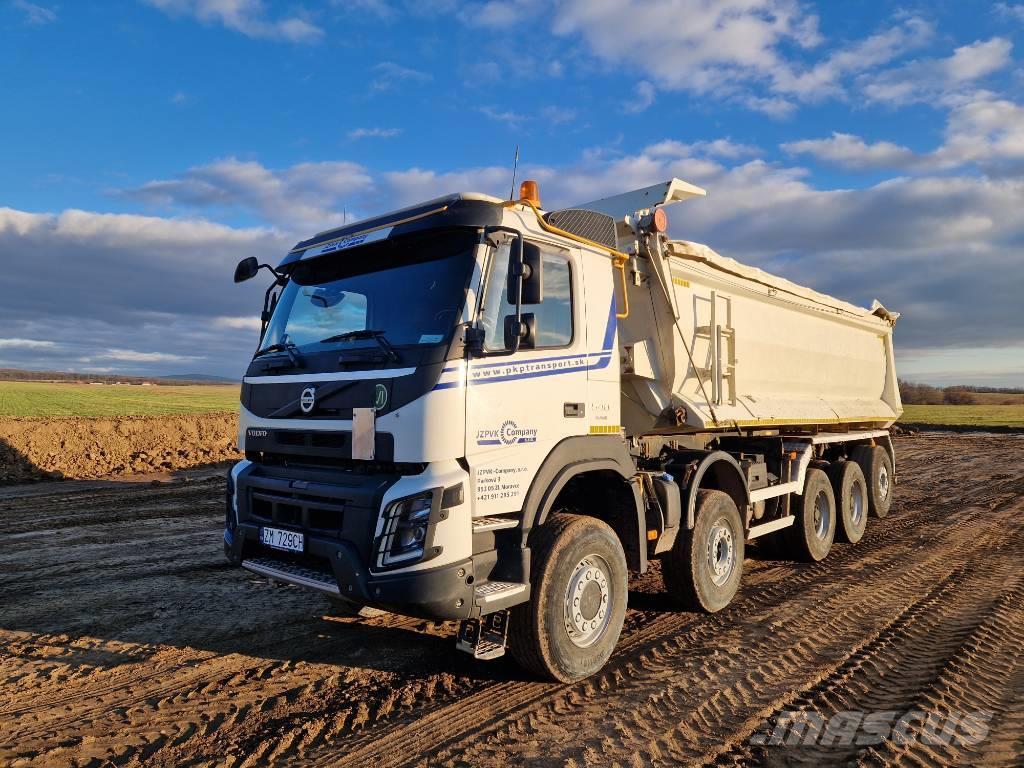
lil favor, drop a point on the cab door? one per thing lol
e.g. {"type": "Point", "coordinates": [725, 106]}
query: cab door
{"type": "Point", "coordinates": [519, 406]}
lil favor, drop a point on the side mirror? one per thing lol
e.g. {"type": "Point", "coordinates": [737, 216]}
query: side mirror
{"type": "Point", "coordinates": [529, 266]}
{"type": "Point", "coordinates": [247, 269]}
{"type": "Point", "coordinates": [522, 333]}
{"type": "Point", "coordinates": [533, 274]}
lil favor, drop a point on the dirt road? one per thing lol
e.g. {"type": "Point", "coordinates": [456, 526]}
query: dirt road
{"type": "Point", "coordinates": [125, 639]}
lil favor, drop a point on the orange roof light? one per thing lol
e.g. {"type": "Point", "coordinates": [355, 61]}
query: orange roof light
{"type": "Point", "coordinates": [528, 190]}
{"type": "Point", "coordinates": [659, 220]}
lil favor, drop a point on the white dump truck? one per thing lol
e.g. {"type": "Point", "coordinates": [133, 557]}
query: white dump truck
{"type": "Point", "coordinates": [477, 410]}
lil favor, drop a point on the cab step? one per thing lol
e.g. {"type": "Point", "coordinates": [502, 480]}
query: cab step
{"type": "Point", "coordinates": [484, 638]}
{"type": "Point", "coordinates": [290, 573]}
{"type": "Point", "coordinates": [481, 524]}
{"type": "Point", "coordinates": [497, 595]}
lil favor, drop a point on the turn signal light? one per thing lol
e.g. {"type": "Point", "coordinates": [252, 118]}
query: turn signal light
{"type": "Point", "coordinates": [528, 190]}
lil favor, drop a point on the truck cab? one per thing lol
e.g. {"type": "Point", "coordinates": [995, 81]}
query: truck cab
{"type": "Point", "coordinates": [425, 384]}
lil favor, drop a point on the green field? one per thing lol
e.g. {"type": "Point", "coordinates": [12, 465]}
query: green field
{"type": "Point", "coordinates": [44, 400]}
{"type": "Point", "coordinates": [965, 415]}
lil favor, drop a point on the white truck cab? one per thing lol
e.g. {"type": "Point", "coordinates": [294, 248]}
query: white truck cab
{"type": "Point", "coordinates": [433, 423]}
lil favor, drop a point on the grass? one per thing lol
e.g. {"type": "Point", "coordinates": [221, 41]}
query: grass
{"type": "Point", "coordinates": [966, 415]}
{"type": "Point", "coordinates": [45, 400]}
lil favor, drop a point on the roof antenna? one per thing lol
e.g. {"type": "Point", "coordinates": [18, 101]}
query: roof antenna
{"type": "Point", "coordinates": [515, 167]}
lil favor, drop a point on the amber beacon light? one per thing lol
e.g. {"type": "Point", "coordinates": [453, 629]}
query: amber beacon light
{"type": "Point", "coordinates": [528, 190]}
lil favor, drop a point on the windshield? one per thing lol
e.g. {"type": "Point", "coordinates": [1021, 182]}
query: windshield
{"type": "Point", "coordinates": [408, 293]}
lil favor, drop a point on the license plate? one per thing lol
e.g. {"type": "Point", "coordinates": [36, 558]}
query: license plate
{"type": "Point", "coordinates": [289, 541]}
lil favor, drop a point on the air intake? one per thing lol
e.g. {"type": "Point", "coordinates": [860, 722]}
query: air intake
{"type": "Point", "coordinates": [599, 227]}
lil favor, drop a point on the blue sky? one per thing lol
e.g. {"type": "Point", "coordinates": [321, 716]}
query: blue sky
{"type": "Point", "coordinates": [872, 150]}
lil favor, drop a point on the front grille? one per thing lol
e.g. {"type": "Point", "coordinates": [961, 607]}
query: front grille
{"type": "Point", "coordinates": [296, 509]}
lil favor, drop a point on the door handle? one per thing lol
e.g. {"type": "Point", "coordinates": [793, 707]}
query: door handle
{"type": "Point", "coordinates": [573, 410]}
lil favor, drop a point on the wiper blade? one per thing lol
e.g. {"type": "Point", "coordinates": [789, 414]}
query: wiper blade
{"type": "Point", "coordinates": [288, 347]}
{"type": "Point", "coordinates": [366, 333]}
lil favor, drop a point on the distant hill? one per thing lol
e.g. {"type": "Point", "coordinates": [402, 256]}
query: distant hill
{"type": "Point", "coordinates": [16, 374]}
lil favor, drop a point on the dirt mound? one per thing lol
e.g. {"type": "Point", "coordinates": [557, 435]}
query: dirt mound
{"type": "Point", "coordinates": [38, 449]}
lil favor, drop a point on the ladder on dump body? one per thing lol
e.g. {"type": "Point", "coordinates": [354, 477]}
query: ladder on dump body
{"type": "Point", "coordinates": [722, 342]}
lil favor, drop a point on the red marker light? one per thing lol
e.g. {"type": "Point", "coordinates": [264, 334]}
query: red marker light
{"type": "Point", "coordinates": [659, 220]}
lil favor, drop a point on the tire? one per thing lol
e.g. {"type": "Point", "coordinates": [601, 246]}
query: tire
{"type": "Point", "coordinates": [703, 569]}
{"type": "Point", "coordinates": [811, 535]}
{"type": "Point", "coordinates": [876, 465]}
{"type": "Point", "coordinates": [851, 493]}
{"type": "Point", "coordinates": [577, 561]}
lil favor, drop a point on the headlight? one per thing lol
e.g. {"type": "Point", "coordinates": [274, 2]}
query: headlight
{"type": "Point", "coordinates": [406, 524]}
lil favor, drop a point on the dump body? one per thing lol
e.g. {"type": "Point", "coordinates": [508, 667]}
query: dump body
{"type": "Point", "coordinates": [765, 351]}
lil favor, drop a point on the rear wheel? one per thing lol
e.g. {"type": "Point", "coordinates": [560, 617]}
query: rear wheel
{"type": "Point", "coordinates": [703, 569]}
{"type": "Point", "coordinates": [851, 492]}
{"type": "Point", "coordinates": [578, 599]}
{"type": "Point", "coordinates": [811, 535]}
{"type": "Point", "coordinates": [876, 465]}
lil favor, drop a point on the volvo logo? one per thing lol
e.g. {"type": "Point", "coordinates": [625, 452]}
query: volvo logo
{"type": "Point", "coordinates": [257, 433]}
{"type": "Point", "coordinates": [307, 399]}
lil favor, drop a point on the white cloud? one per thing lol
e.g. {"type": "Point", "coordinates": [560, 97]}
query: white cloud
{"type": "Point", "coordinates": [825, 78]}
{"type": "Point", "coordinates": [308, 195]}
{"type": "Point", "coordinates": [245, 16]}
{"type": "Point", "coordinates": [937, 79]}
{"type": "Point", "coordinates": [981, 129]}
{"type": "Point", "coordinates": [690, 44]}
{"type": "Point", "coordinates": [503, 115]}
{"type": "Point", "coordinates": [640, 98]}
{"type": "Point", "coordinates": [179, 98]}
{"type": "Point", "coordinates": [389, 75]}
{"type": "Point", "coordinates": [374, 133]}
{"type": "Point", "coordinates": [247, 322]}
{"type": "Point", "coordinates": [558, 115]}
{"type": "Point", "coordinates": [26, 344]}
{"type": "Point", "coordinates": [848, 151]}
{"type": "Point", "coordinates": [35, 15]}
{"type": "Point", "coordinates": [1006, 10]}
{"type": "Point", "coordinates": [132, 356]}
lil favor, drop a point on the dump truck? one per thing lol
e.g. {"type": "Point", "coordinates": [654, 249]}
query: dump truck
{"type": "Point", "coordinates": [481, 411]}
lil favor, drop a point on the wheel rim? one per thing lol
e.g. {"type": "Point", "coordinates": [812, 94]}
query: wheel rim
{"type": "Point", "coordinates": [822, 515]}
{"type": "Point", "coordinates": [588, 601]}
{"type": "Point", "coordinates": [721, 551]}
{"type": "Point", "coordinates": [856, 503]}
{"type": "Point", "coordinates": [883, 481]}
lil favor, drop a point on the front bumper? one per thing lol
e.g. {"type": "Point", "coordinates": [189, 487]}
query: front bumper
{"type": "Point", "coordinates": [337, 516]}
{"type": "Point", "coordinates": [334, 568]}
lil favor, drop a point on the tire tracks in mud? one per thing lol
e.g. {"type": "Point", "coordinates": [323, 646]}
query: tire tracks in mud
{"type": "Point", "coordinates": [707, 673]}
{"type": "Point", "coordinates": [387, 744]}
{"type": "Point", "coordinates": [282, 686]}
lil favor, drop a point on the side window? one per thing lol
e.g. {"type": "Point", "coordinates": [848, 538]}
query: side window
{"type": "Point", "coordinates": [553, 315]}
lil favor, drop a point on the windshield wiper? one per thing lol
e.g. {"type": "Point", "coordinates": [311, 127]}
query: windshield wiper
{"type": "Point", "coordinates": [288, 347]}
{"type": "Point", "coordinates": [367, 333]}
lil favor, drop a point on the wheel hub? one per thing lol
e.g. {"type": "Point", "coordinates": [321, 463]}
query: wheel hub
{"type": "Point", "coordinates": [822, 515]}
{"type": "Point", "coordinates": [721, 552]}
{"type": "Point", "coordinates": [856, 503]}
{"type": "Point", "coordinates": [883, 482]}
{"type": "Point", "coordinates": [587, 601]}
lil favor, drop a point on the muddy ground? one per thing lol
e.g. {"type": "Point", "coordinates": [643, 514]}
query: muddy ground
{"type": "Point", "coordinates": [50, 449]}
{"type": "Point", "coordinates": [125, 639]}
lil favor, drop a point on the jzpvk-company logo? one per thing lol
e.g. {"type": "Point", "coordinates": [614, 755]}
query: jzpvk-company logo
{"type": "Point", "coordinates": [508, 434]}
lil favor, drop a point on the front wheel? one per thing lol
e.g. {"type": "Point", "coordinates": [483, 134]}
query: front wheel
{"type": "Point", "coordinates": [703, 569]}
{"type": "Point", "coordinates": [571, 625]}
